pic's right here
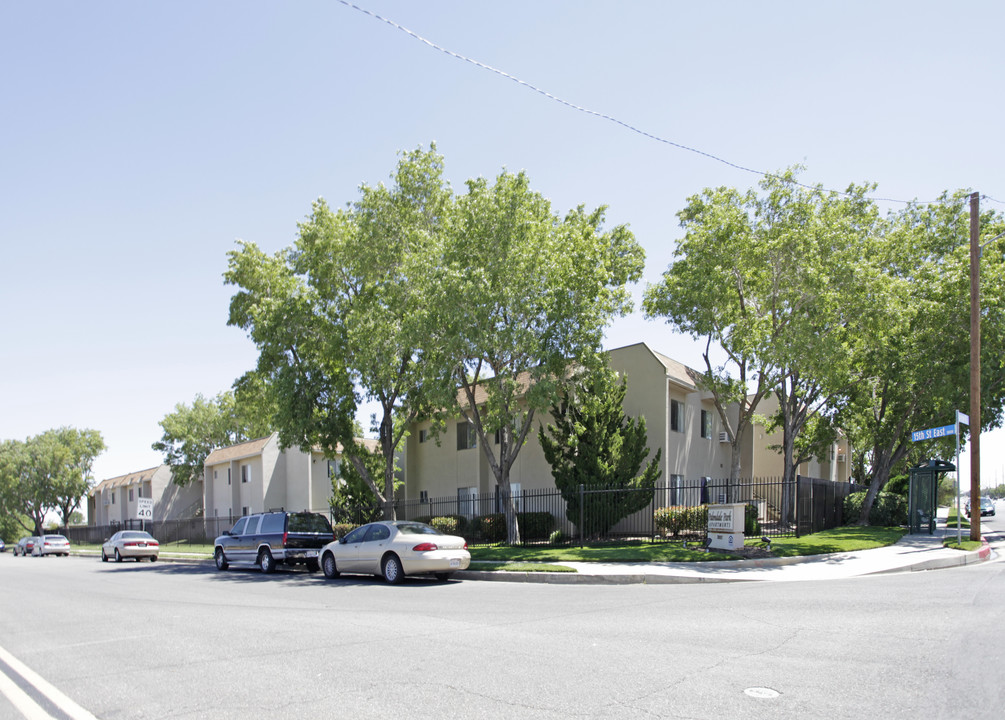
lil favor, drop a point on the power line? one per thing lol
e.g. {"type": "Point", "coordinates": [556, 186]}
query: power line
{"type": "Point", "coordinates": [610, 118]}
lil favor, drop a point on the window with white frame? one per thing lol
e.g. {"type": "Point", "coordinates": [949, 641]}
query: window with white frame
{"type": "Point", "coordinates": [675, 490]}
{"type": "Point", "coordinates": [677, 416]}
{"type": "Point", "coordinates": [706, 424]}
{"type": "Point", "coordinates": [467, 438]}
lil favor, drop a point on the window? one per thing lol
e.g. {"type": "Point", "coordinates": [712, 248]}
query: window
{"type": "Point", "coordinates": [377, 532]}
{"type": "Point", "coordinates": [423, 496]}
{"type": "Point", "coordinates": [228, 476]}
{"type": "Point", "coordinates": [423, 435]}
{"type": "Point", "coordinates": [466, 498]}
{"type": "Point", "coordinates": [676, 416]}
{"type": "Point", "coordinates": [274, 523]}
{"type": "Point", "coordinates": [706, 424]}
{"type": "Point", "coordinates": [675, 490]}
{"type": "Point", "coordinates": [245, 473]}
{"type": "Point", "coordinates": [239, 527]}
{"type": "Point", "coordinates": [334, 468]}
{"type": "Point", "coordinates": [214, 474]}
{"type": "Point", "coordinates": [130, 494]}
{"type": "Point", "coordinates": [244, 510]}
{"type": "Point", "coordinates": [113, 497]}
{"type": "Point", "coordinates": [466, 436]}
{"type": "Point", "coordinates": [252, 526]}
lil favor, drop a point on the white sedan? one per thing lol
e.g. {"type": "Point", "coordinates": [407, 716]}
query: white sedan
{"type": "Point", "coordinates": [393, 549]}
{"type": "Point", "coordinates": [135, 544]}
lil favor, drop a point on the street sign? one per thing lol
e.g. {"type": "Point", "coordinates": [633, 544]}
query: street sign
{"type": "Point", "coordinates": [144, 508]}
{"type": "Point", "coordinates": [931, 433]}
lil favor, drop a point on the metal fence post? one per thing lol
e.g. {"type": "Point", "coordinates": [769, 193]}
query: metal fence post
{"type": "Point", "coordinates": [582, 499]}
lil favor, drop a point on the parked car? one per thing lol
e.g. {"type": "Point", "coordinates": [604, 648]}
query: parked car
{"type": "Point", "coordinates": [987, 507]}
{"type": "Point", "coordinates": [51, 545]}
{"type": "Point", "coordinates": [268, 539]}
{"type": "Point", "coordinates": [3, 547]}
{"type": "Point", "coordinates": [135, 544]}
{"type": "Point", "coordinates": [396, 548]}
{"type": "Point", "coordinates": [25, 546]}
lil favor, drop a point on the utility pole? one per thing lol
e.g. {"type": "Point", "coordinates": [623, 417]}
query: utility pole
{"type": "Point", "coordinates": [975, 368]}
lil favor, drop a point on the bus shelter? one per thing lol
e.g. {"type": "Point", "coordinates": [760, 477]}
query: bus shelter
{"type": "Point", "coordinates": [922, 493]}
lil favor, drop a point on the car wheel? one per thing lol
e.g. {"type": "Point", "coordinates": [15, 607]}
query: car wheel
{"type": "Point", "coordinates": [391, 568]}
{"type": "Point", "coordinates": [443, 577]}
{"type": "Point", "coordinates": [153, 558]}
{"type": "Point", "coordinates": [104, 558]}
{"type": "Point", "coordinates": [329, 566]}
{"type": "Point", "coordinates": [266, 562]}
{"type": "Point", "coordinates": [118, 555]}
{"type": "Point", "coordinates": [221, 559]}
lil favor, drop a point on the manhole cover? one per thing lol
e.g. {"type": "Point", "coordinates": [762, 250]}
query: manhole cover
{"type": "Point", "coordinates": [762, 692]}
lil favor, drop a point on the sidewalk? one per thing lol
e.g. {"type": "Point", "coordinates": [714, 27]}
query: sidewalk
{"type": "Point", "coordinates": [910, 554]}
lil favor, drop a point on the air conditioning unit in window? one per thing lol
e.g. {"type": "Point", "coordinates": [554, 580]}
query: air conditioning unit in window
{"type": "Point", "coordinates": [724, 437]}
{"type": "Point", "coordinates": [842, 457]}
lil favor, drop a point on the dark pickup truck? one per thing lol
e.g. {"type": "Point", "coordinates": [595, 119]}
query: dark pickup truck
{"type": "Point", "coordinates": [267, 539]}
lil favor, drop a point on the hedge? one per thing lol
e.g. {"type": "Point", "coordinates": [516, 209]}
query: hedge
{"type": "Point", "coordinates": [888, 509]}
{"type": "Point", "coordinates": [676, 519]}
{"type": "Point", "coordinates": [533, 526]}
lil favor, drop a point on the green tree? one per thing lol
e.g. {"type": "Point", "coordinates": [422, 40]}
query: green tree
{"type": "Point", "coordinates": [593, 444]}
{"type": "Point", "coordinates": [523, 297]}
{"type": "Point", "coordinates": [914, 373]}
{"type": "Point", "coordinates": [353, 500]}
{"type": "Point", "coordinates": [49, 472]}
{"type": "Point", "coordinates": [346, 311]}
{"type": "Point", "coordinates": [193, 431]}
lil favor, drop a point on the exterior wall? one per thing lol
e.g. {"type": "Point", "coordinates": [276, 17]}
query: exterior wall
{"type": "Point", "coordinates": [296, 464]}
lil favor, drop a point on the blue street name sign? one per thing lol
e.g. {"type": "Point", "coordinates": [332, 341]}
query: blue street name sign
{"type": "Point", "coordinates": [933, 433]}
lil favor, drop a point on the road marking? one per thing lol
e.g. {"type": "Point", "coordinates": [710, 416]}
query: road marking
{"type": "Point", "coordinates": [28, 706]}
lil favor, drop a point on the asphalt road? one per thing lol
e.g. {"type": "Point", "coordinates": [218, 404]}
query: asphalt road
{"type": "Point", "coordinates": [182, 641]}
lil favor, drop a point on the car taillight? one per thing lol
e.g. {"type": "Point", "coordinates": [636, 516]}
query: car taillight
{"type": "Point", "coordinates": [130, 544]}
{"type": "Point", "coordinates": [285, 534]}
{"type": "Point", "coordinates": [424, 547]}
{"type": "Point", "coordinates": [153, 543]}
{"type": "Point", "coordinates": [465, 546]}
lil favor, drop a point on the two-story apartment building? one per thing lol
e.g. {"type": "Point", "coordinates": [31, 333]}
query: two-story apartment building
{"type": "Point", "coordinates": [114, 501]}
{"type": "Point", "coordinates": [681, 421]}
{"type": "Point", "coordinates": [259, 475]}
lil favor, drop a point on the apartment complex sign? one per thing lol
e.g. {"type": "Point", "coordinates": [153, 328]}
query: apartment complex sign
{"type": "Point", "coordinates": [725, 526]}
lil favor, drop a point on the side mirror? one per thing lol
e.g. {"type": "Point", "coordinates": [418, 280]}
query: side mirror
{"type": "Point", "coordinates": [227, 533]}
{"type": "Point", "coordinates": [342, 540]}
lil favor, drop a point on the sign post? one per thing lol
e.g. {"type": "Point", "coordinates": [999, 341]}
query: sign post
{"type": "Point", "coordinates": [945, 430]}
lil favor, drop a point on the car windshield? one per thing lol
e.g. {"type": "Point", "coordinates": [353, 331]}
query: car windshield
{"type": "Point", "coordinates": [136, 535]}
{"type": "Point", "coordinates": [986, 502]}
{"type": "Point", "coordinates": [57, 538]}
{"type": "Point", "coordinates": [414, 528]}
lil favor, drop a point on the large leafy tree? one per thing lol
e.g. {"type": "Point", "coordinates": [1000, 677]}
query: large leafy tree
{"type": "Point", "coordinates": [193, 431]}
{"type": "Point", "coordinates": [344, 314]}
{"type": "Point", "coordinates": [49, 472]}
{"type": "Point", "coordinates": [591, 443]}
{"type": "Point", "coordinates": [523, 297]}
{"type": "Point", "coordinates": [913, 373]}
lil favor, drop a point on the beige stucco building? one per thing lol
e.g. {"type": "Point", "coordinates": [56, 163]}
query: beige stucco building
{"type": "Point", "coordinates": [681, 420]}
{"type": "Point", "coordinates": [114, 501]}
{"type": "Point", "coordinates": [259, 475]}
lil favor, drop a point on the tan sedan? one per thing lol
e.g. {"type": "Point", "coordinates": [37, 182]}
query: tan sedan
{"type": "Point", "coordinates": [135, 544]}
{"type": "Point", "coordinates": [394, 549]}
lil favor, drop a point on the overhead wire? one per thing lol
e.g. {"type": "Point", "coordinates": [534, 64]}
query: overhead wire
{"type": "Point", "coordinates": [610, 118]}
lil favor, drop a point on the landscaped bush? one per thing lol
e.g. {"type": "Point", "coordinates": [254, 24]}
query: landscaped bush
{"type": "Point", "coordinates": [887, 509]}
{"type": "Point", "coordinates": [676, 519]}
{"type": "Point", "coordinates": [449, 524]}
{"type": "Point", "coordinates": [533, 526]}
{"type": "Point", "coordinates": [342, 529]}
{"type": "Point", "coordinates": [751, 525]}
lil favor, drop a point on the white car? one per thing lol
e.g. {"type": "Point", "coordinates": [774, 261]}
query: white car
{"type": "Point", "coordinates": [135, 544]}
{"type": "Point", "coordinates": [51, 545]}
{"type": "Point", "coordinates": [393, 549]}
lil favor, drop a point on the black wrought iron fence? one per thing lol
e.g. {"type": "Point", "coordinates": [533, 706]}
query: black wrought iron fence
{"type": "Point", "coordinates": [669, 512]}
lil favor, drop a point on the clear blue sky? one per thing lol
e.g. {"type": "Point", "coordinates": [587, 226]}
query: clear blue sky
{"type": "Point", "coordinates": [141, 140]}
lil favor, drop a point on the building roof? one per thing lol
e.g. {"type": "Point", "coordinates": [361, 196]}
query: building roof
{"type": "Point", "coordinates": [678, 372]}
{"type": "Point", "coordinates": [238, 451]}
{"type": "Point", "coordinates": [133, 478]}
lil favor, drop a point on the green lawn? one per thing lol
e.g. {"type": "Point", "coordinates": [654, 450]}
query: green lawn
{"type": "Point", "coordinates": [843, 539]}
